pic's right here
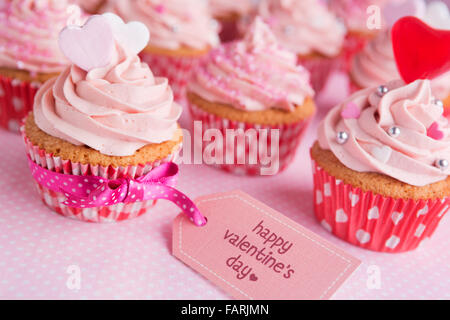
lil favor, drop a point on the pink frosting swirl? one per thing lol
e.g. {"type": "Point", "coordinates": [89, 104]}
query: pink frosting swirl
{"type": "Point", "coordinates": [172, 23]}
{"type": "Point", "coordinates": [411, 154]}
{"type": "Point", "coordinates": [375, 65]}
{"type": "Point", "coordinates": [29, 32]}
{"type": "Point", "coordinates": [116, 109]}
{"type": "Point", "coordinates": [220, 8]}
{"type": "Point", "coordinates": [304, 27]}
{"type": "Point", "coordinates": [253, 74]}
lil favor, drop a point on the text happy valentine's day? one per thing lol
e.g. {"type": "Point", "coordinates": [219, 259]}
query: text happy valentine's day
{"type": "Point", "coordinates": [268, 249]}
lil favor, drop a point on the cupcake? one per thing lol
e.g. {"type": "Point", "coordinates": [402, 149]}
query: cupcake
{"type": "Point", "coordinates": [381, 167]}
{"type": "Point", "coordinates": [310, 30]}
{"type": "Point", "coordinates": [355, 17]}
{"type": "Point", "coordinates": [376, 65]}
{"type": "Point", "coordinates": [183, 32]}
{"type": "Point", "coordinates": [255, 87]}
{"type": "Point", "coordinates": [29, 53]}
{"type": "Point", "coordinates": [107, 119]}
{"type": "Point", "coordinates": [90, 6]}
{"type": "Point", "coordinates": [228, 14]}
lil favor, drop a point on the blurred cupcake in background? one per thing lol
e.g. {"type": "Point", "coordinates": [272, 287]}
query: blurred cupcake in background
{"type": "Point", "coordinates": [355, 17]}
{"type": "Point", "coordinates": [256, 85]}
{"type": "Point", "coordinates": [381, 167]}
{"type": "Point", "coordinates": [29, 52]}
{"type": "Point", "coordinates": [376, 65]}
{"type": "Point", "coordinates": [90, 6]}
{"type": "Point", "coordinates": [310, 30]}
{"type": "Point", "coordinates": [228, 13]}
{"type": "Point", "coordinates": [182, 34]}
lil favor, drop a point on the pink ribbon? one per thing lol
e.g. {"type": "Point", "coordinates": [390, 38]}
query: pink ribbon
{"type": "Point", "coordinates": [92, 191]}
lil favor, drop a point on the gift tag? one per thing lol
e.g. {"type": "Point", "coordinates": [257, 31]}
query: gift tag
{"type": "Point", "coordinates": [254, 252]}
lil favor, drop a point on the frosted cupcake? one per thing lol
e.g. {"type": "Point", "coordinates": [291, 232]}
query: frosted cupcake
{"type": "Point", "coordinates": [257, 86]}
{"type": "Point", "coordinates": [29, 53]}
{"type": "Point", "coordinates": [308, 29]}
{"type": "Point", "coordinates": [228, 13]}
{"type": "Point", "coordinates": [105, 118]}
{"type": "Point", "coordinates": [381, 166]}
{"type": "Point", "coordinates": [183, 32]}
{"type": "Point", "coordinates": [376, 65]}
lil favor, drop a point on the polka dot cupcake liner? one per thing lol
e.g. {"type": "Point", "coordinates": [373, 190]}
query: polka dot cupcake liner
{"type": "Point", "coordinates": [289, 139]}
{"type": "Point", "coordinates": [114, 213]}
{"type": "Point", "coordinates": [176, 69]}
{"type": "Point", "coordinates": [372, 221]}
{"type": "Point", "coordinates": [16, 100]}
{"type": "Point", "coordinates": [353, 43]}
{"type": "Point", "coordinates": [320, 69]}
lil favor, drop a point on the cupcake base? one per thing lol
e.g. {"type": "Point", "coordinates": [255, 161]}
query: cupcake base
{"type": "Point", "coordinates": [371, 220]}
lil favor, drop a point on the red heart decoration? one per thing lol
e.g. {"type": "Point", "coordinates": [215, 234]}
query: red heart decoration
{"type": "Point", "coordinates": [421, 52]}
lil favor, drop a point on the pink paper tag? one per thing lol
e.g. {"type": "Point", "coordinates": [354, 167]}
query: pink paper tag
{"type": "Point", "coordinates": [253, 252]}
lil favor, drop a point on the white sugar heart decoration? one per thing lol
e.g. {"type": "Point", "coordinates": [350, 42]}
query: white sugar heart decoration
{"type": "Point", "coordinates": [382, 153]}
{"type": "Point", "coordinates": [133, 36]}
{"type": "Point", "coordinates": [438, 15]}
{"type": "Point", "coordinates": [396, 217]}
{"type": "Point", "coordinates": [394, 10]}
{"type": "Point", "coordinates": [90, 46]}
{"type": "Point", "coordinates": [362, 236]}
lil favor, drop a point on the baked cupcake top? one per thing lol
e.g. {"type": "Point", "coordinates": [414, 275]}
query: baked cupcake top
{"type": "Point", "coordinates": [173, 24]}
{"type": "Point", "coordinates": [29, 32]}
{"type": "Point", "coordinates": [253, 74]}
{"type": "Point", "coordinates": [375, 65]}
{"type": "Point", "coordinates": [305, 27]}
{"type": "Point", "coordinates": [354, 12]}
{"type": "Point", "coordinates": [224, 8]}
{"type": "Point", "coordinates": [115, 107]}
{"type": "Point", "coordinates": [397, 130]}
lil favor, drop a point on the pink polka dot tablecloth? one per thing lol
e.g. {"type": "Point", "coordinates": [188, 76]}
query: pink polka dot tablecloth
{"type": "Point", "coordinates": [39, 250]}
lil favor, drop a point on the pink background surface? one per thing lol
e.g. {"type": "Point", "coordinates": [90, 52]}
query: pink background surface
{"type": "Point", "coordinates": [132, 259]}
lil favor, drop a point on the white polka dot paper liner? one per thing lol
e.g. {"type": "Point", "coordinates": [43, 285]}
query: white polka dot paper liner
{"type": "Point", "coordinates": [372, 221]}
{"type": "Point", "coordinates": [16, 100]}
{"type": "Point", "coordinates": [105, 213]}
{"type": "Point", "coordinates": [290, 137]}
{"type": "Point", "coordinates": [177, 69]}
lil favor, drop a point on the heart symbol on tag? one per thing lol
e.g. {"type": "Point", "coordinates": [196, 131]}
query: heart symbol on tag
{"type": "Point", "coordinates": [382, 153]}
{"type": "Point", "coordinates": [133, 36]}
{"type": "Point", "coordinates": [253, 277]}
{"type": "Point", "coordinates": [395, 10]}
{"type": "Point", "coordinates": [421, 52]}
{"type": "Point", "coordinates": [351, 111]}
{"type": "Point", "coordinates": [434, 132]}
{"type": "Point", "coordinates": [90, 46]}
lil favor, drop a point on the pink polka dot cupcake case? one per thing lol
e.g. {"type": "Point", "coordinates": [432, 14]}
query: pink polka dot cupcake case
{"type": "Point", "coordinates": [29, 53]}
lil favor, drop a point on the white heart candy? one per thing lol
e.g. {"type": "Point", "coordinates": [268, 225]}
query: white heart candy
{"type": "Point", "coordinates": [373, 213]}
{"type": "Point", "coordinates": [396, 217]}
{"type": "Point", "coordinates": [382, 153]}
{"type": "Point", "coordinates": [362, 236]}
{"type": "Point", "coordinates": [392, 242]}
{"type": "Point", "coordinates": [133, 35]}
{"type": "Point", "coordinates": [341, 216]}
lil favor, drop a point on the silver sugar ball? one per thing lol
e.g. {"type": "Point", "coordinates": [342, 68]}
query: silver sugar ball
{"type": "Point", "coordinates": [382, 90]}
{"type": "Point", "coordinates": [342, 137]}
{"type": "Point", "coordinates": [439, 103]}
{"type": "Point", "coordinates": [394, 131]}
{"type": "Point", "coordinates": [442, 164]}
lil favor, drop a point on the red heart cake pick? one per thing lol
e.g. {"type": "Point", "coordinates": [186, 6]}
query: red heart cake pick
{"type": "Point", "coordinates": [421, 52]}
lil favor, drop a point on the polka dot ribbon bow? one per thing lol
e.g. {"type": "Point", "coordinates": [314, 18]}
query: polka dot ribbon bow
{"type": "Point", "coordinates": [92, 191]}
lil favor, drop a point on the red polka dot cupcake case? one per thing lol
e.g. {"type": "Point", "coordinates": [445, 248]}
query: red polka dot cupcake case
{"type": "Point", "coordinates": [29, 53]}
{"type": "Point", "coordinates": [103, 138]}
